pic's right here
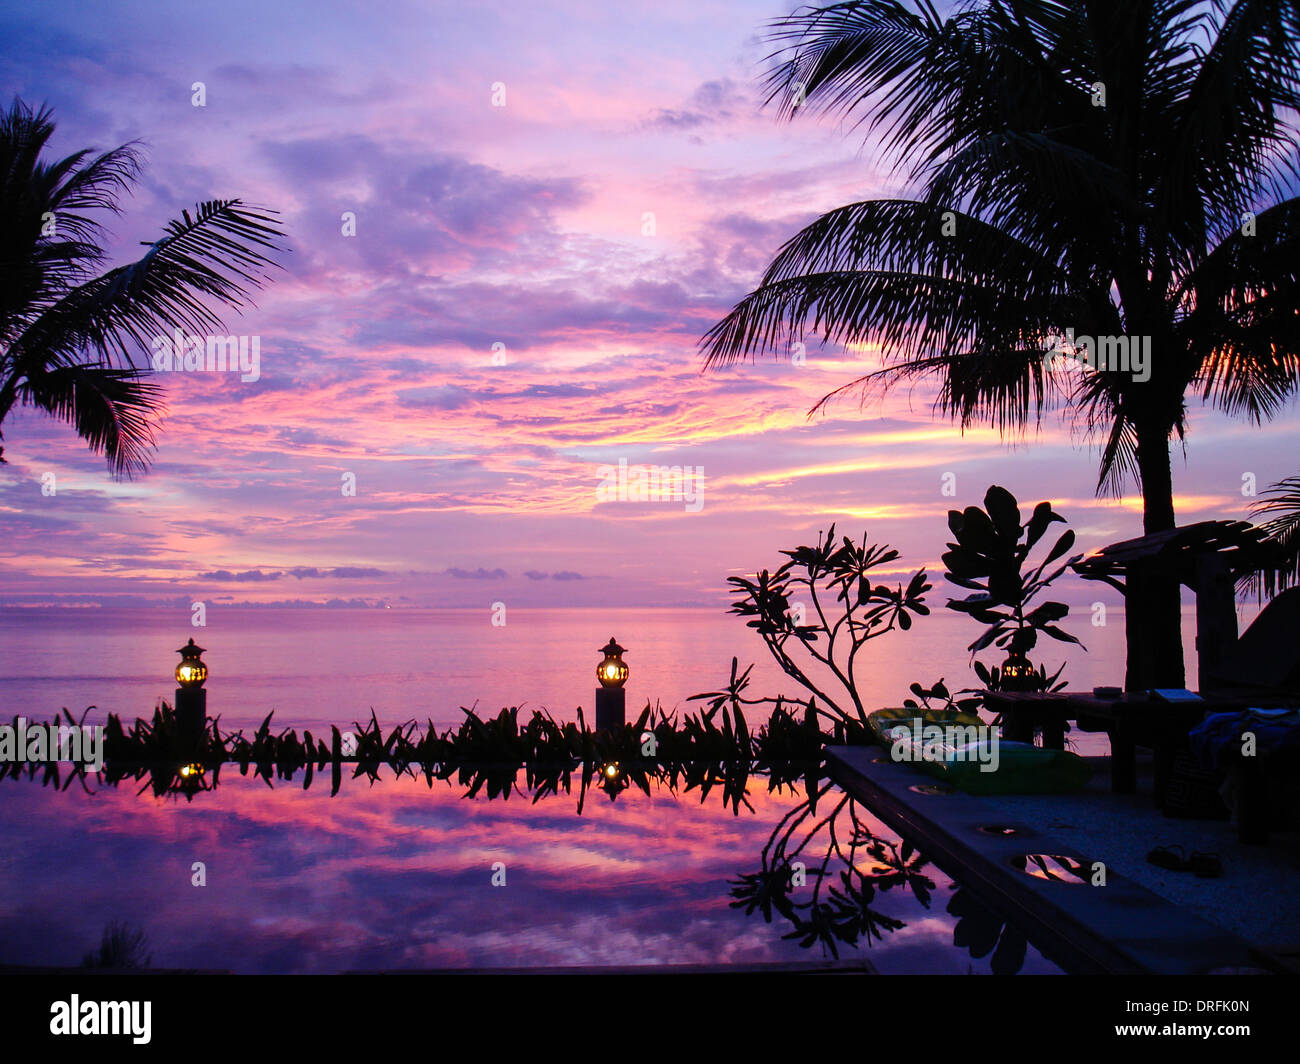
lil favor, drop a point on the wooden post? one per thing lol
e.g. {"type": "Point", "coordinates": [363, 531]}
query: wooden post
{"type": "Point", "coordinates": [1167, 667]}
{"type": "Point", "coordinates": [1053, 718]}
{"type": "Point", "coordinates": [1137, 641]}
{"type": "Point", "coordinates": [1154, 652]}
{"type": "Point", "coordinates": [1216, 616]}
{"type": "Point", "coordinates": [1123, 757]}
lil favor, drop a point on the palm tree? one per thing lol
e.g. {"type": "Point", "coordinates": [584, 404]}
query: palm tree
{"type": "Point", "coordinates": [1280, 567]}
{"type": "Point", "coordinates": [69, 335]}
{"type": "Point", "coordinates": [1115, 167]}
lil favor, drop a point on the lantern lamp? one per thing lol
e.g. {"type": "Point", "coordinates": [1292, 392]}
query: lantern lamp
{"type": "Point", "coordinates": [1018, 673]}
{"type": "Point", "coordinates": [191, 703]}
{"type": "Point", "coordinates": [611, 702]}
{"type": "Point", "coordinates": [613, 781]}
{"type": "Point", "coordinates": [191, 672]}
{"type": "Point", "coordinates": [190, 779]}
{"type": "Point", "coordinates": [612, 671]}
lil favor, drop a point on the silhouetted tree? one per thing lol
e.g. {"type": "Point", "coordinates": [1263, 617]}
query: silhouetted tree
{"type": "Point", "coordinates": [1114, 167]}
{"type": "Point", "coordinates": [70, 335]}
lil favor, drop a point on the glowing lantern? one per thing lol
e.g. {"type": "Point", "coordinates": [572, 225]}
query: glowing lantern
{"type": "Point", "coordinates": [191, 672]}
{"type": "Point", "coordinates": [191, 709]}
{"type": "Point", "coordinates": [1018, 673]}
{"type": "Point", "coordinates": [612, 671]}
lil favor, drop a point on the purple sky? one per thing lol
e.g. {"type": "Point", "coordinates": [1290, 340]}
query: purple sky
{"type": "Point", "coordinates": [523, 225]}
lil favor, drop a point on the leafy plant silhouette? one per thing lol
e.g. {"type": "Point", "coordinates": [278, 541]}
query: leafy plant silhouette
{"type": "Point", "coordinates": [840, 909]}
{"type": "Point", "coordinates": [988, 558]}
{"type": "Point", "coordinates": [122, 946]}
{"type": "Point", "coordinates": [981, 931]}
{"type": "Point", "coordinates": [494, 757]}
{"type": "Point", "coordinates": [846, 611]}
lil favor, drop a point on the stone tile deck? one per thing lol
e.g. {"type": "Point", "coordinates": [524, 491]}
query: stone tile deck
{"type": "Point", "coordinates": [1127, 926]}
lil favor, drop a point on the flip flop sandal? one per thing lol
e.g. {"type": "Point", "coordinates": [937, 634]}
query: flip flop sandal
{"type": "Point", "coordinates": [1206, 865]}
{"type": "Point", "coordinates": [1172, 857]}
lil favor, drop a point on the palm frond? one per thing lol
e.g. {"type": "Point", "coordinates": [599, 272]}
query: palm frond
{"type": "Point", "coordinates": [1091, 152]}
{"type": "Point", "coordinates": [901, 273]}
{"type": "Point", "coordinates": [112, 409]}
{"type": "Point", "coordinates": [1118, 466]}
{"type": "Point", "coordinates": [1002, 387]}
{"type": "Point", "coordinates": [1225, 139]}
{"type": "Point", "coordinates": [1282, 543]}
{"type": "Point", "coordinates": [70, 336]}
{"type": "Point", "coordinates": [220, 253]}
{"type": "Point", "coordinates": [941, 292]}
{"type": "Point", "coordinates": [836, 57]}
{"type": "Point", "coordinates": [1242, 330]}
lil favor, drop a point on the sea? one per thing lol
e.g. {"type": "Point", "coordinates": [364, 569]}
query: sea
{"type": "Point", "coordinates": [403, 874]}
{"type": "Point", "coordinates": [317, 666]}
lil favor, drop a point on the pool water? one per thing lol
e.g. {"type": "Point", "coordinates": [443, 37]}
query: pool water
{"type": "Point", "coordinates": [397, 875]}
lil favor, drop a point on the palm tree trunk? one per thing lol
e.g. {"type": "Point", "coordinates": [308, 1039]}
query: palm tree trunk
{"type": "Point", "coordinates": [1156, 475]}
{"type": "Point", "coordinates": [1153, 606]}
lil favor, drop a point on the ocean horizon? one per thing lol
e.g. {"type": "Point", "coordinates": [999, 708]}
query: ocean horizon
{"type": "Point", "coordinates": [336, 665]}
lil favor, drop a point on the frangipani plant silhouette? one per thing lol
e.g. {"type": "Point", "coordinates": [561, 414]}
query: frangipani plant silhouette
{"type": "Point", "coordinates": [825, 878]}
{"type": "Point", "coordinates": [845, 610]}
{"type": "Point", "coordinates": [830, 901]}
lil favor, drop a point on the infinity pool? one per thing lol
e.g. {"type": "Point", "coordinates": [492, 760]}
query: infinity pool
{"type": "Point", "coordinates": [400, 875]}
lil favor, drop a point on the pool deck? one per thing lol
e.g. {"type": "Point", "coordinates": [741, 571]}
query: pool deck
{"type": "Point", "coordinates": [1144, 920]}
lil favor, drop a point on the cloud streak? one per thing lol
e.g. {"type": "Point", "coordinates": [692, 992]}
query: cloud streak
{"type": "Point", "coordinates": [520, 304]}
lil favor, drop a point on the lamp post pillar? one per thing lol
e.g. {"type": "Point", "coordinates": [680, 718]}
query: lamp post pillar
{"type": "Point", "coordinates": [611, 708]}
{"type": "Point", "coordinates": [191, 713]}
{"type": "Point", "coordinates": [191, 699]}
{"type": "Point", "coordinates": [611, 700]}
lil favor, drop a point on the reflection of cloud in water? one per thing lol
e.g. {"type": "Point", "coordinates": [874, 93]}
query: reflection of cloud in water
{"type": "Point", "coordinates": [398, 875]}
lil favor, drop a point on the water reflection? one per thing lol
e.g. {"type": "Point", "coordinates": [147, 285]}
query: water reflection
{"type": "Point", "coordinates": [982, 932]}
{"type": "Point", "coordinates": [247, 874]}
{"type": "Point", "coordinates": [122, 946]}
{"type": "Point", "coordinates": [850, 854]}
{"type": "Point", "coordinates": [704, 751]}
{"type": "Point", "coordinates": [824, 876]}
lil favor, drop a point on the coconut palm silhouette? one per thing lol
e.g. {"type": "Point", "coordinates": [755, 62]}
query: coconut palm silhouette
{"type": "Point", "coordinates": [70, 335]}
{"type": "Point", "coordinates": [1119, 170]}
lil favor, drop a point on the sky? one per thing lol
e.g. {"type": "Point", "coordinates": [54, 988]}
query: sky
{"type": "Point", "coordinates": [551, 203]}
